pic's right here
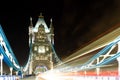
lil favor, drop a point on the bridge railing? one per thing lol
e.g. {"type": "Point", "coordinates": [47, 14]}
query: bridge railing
{"type": "Point", "coordinates": [9, 77]}
{"type": "Point", "coordinates": [6, 51]}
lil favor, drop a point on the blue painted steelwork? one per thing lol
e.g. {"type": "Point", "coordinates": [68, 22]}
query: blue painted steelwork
{"type": "Point", "coordinates": [57, 59]}
{"type": "Point", "coordinates": [6, 51]}
{"type": "Point", "coordinates": [25, 67]}
{"type": "Point", "coordinates": [4, 77]}
{"type": "Point", "coordinates": [108, 60]}
{"type": "Point", "coordinates": [103, 51]}
{"type": "Point", "coordinates": [86, 65]}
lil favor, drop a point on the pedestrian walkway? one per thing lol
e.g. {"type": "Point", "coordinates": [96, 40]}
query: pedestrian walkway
{"type": "Point", "coordinates": [8, 77]}
{"type": "Point", "coordinates": [28, 78]}
{"type": "Point", "coordinates": [32, 78]}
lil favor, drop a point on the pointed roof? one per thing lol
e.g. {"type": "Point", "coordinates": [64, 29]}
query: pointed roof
{"type": "Point", "coordinates": [31, 24]}
{"type": "Point", "coordinates": [51, 26]}
{"type": "Point", "coordinates": [39, 22]}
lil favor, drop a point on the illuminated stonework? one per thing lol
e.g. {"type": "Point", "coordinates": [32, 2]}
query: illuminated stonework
{"type": "Point", "coordinates": [41, 38]}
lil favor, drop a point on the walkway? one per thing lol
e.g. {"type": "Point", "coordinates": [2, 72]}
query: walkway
{"type": "Point", "coordinates": [29, 78]}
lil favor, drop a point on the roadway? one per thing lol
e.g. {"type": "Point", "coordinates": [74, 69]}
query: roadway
{"type": "Point", "coordinates": [78, 78]}
{"type": "Point", "coordinates": [83, 55]}
{"type": "Point", "coordinates": [32, 78]}
{"type": "Point", "coordinates": [29, 78]}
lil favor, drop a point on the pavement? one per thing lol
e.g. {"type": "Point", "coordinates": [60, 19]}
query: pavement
{"type": "Point", "coordinates": [28, 78]}
{"type": "Point", "coordinates": [32, 78]}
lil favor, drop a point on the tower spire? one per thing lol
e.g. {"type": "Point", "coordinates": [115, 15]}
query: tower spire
{"type": "Point", "coordinates": [31, 24]}
{"type": "Point", "coordinates": [30, 31]}
{"type": "Point", "coordinates": [51, 20]}
{"type": "Point", "coordinates": [41, 15]}
{"type": "Point", "coordinates": [51, 25]}
{"type": "Point", "coordinates": [52, 31]}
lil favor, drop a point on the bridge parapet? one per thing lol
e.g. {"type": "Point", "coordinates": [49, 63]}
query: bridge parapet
{"type": "Point", "coordinates": [9, 77]}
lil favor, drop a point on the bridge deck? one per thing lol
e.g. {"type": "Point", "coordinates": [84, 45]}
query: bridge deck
{"type": "Point", "coordinates": [29, 78]}
{"type": "Point", "coordinates": [32, 78]}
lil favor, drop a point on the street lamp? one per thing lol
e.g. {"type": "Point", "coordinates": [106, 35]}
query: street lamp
{"type": "Point", "coordinates": [1, 64]}
{"type": "Point", "coordinates": [11, 69]}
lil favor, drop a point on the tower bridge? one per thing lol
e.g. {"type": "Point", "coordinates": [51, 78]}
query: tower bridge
{"type": "Point", "coordinates": [42, 55]}
{"type": "Point", "coordinates": [99, 60]}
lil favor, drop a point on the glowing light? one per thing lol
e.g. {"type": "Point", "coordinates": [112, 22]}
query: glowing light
{"type": "Point", "coordinates": [50, 76]}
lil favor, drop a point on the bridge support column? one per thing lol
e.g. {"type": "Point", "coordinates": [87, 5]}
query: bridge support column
{"type": "Point", "coordinates": [1, 64]}
{"type": "Point", "coordinates": [11, 69]}
{"type": "Point", "coordinates": [51, 65]}
{"type": "Point", "coordinates": [51, 61]}
{"type": "Point", "coordinates": [118, 59]}
{"type": "Point", "coordinates": [30, 68]}
{"type": "Point", "coordinates": [98, 69]}
{"type": "Point", "coordinates": [85, 73]}
{"type": "Point", "coordinates": [16, 72]}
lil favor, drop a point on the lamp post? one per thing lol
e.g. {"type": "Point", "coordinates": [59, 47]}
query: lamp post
{"type": "Point", "coordinates": [11, 69]}
{"type": "Point", "coordinates": [118, 59]}
{"type": "Point", "coordinates": [1, 64]}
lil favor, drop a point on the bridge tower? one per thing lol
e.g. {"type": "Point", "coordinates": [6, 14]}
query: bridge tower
{"type": "Point", "coordinates": [41, 41]}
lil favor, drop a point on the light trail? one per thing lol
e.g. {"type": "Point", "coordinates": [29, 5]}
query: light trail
{"type": "Point", "coordinates": [101, 42]}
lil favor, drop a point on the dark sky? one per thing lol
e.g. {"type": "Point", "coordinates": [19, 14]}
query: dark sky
{"type": "Point", "coordinates": [76, 22]}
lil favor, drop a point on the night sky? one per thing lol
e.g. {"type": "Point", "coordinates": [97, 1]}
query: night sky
{"type": "Point", "coordinates": [76, 22]}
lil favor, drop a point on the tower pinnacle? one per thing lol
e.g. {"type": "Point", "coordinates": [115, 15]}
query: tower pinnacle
{"type": "Point", "coordinates": [51, 25]}
{"type": "Point", "coordinates": [31, 22]}
{"type": "Point", "coordinates": [30, 18]}
{"type": "Point", "coordinates": [51, 20]}
{"type": "Point", "coordinates": [41, 15]}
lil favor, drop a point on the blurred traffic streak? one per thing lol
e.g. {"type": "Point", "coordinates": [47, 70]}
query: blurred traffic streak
{"type": "Point", "coordinates": [96, 61]}
{"type": "Point", "coordinates": [80, 76]}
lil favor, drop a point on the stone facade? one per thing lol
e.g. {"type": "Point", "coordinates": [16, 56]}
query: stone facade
{"type": "Point", "coordinates": [41, 39]}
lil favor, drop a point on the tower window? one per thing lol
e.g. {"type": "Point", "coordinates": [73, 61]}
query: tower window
{"type": "Point", "coordinates": [41, 49]}
{"type": "Point", "coordinates": [35, 48]}
{"type": "Point", "coordinates": [47, 48]}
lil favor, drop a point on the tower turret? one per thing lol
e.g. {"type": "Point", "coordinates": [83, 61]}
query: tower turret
{"type": "Point", "coordinates": [51, 31]}
{"type": "Point", "coordinates": [30, 31]}
{"type": "Point", "coordinates": [30, 26]}
{"type": "Point", "coordinates": [41, 50]}
{"type": "Point", "coordinates": [42, 53]}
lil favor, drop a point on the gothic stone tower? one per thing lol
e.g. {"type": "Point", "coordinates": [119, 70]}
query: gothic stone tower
{"type": "Point", "coordinates": [41, 38]}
